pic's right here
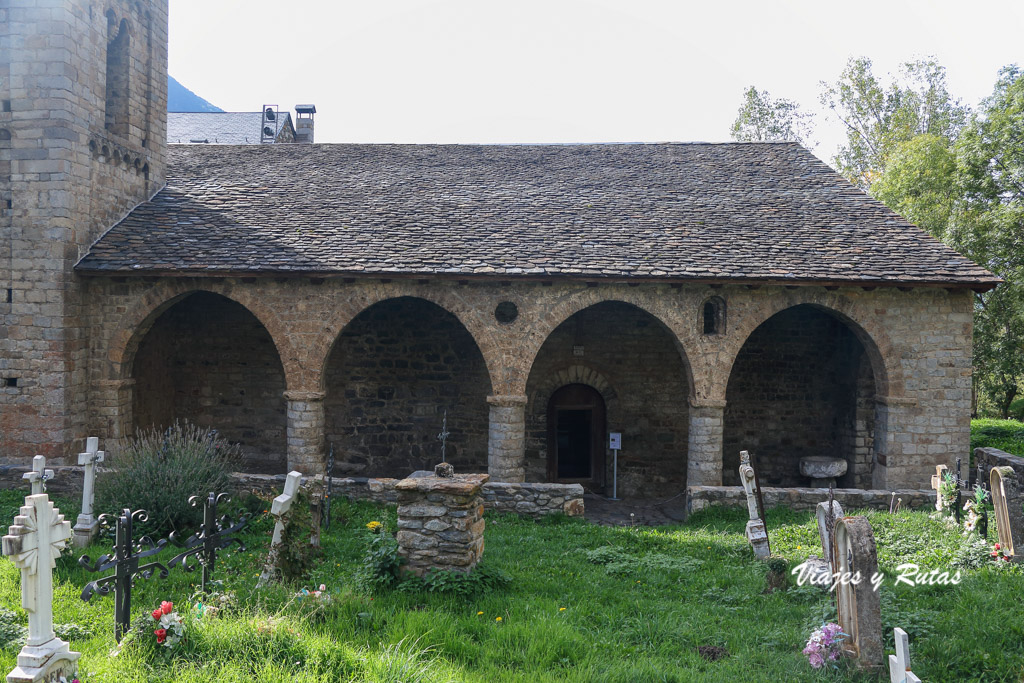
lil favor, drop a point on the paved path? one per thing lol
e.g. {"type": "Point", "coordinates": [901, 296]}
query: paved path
{"type": "Point", "coordinates": [634, 511]}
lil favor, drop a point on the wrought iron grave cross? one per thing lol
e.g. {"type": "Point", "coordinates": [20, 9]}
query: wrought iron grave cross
{"type": "Point", "coordinates": [39, 475]}
{"type": "Point", "coordinates": [443, 436]}
{"type": "Point", "coordinates": [330, 489]}
{"type": "Point", "coordinates": [215, 535]}
{"type": "Point", "coordinates": [125, 562]}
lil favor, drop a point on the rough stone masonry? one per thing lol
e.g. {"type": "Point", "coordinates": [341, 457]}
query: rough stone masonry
{"type": "Point", "coordinates": [441, 522]}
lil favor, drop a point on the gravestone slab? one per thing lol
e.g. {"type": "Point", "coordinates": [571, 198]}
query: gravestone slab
{"type": "Point", "coordinates": [860, 615]}
{"type": "Point", "coordinates": [1008, 499]}
{"type": "Point", "coordinates": [34, 543]}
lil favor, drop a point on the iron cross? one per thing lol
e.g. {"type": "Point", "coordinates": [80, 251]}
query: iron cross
{"type": "Point", "coordinates": [443, 436]}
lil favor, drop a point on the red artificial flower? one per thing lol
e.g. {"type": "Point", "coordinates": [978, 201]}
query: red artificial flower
{"type": "Point", "coordinates": [1006, 558]}
{"type": "Point", "coordinates": [161, 635]}
{"type": "Point", "coordinates": [166, 607]}
{"type": "Point", "coordinates": [997, 546]}
{"type": "Point", "coordinates": [994, 554]}
{"type": "Point", "coordinates": [157, 613]}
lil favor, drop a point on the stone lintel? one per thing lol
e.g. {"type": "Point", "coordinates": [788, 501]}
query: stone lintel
{"type": "Point", "coordinates": [460, 484]}
{"type": "Point", "coordinates": [307, 396]}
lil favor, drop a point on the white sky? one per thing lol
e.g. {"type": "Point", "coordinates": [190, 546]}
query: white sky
{"type": "Point", "coordinates": [565, 70]}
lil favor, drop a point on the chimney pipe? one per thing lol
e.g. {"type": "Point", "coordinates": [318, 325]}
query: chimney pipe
{"type": "Point", "coordinates": [304, 122]}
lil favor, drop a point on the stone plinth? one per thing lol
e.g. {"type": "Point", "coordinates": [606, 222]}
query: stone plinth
{"type": "Point", "coordinates": [441, 522]}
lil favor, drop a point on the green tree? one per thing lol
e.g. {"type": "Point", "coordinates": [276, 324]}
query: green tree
{"type": "Point", "coordinates": [762, 118]}
{"type": "Point", "coordinates": [879, 118]}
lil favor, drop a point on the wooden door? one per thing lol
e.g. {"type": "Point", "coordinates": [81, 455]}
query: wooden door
{"type": "Point", "coordinates": [576, 433]}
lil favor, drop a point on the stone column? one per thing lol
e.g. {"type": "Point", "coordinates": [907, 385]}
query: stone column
{"type": "Point", "coordinates": [704, 458]}
{"type": "Point", "coordinates": [306, 431]}
{"type": "Point", "coordinates": [506, 438]}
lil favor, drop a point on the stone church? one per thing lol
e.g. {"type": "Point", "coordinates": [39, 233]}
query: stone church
{"type": "Point", "coordinates": [699, 299]}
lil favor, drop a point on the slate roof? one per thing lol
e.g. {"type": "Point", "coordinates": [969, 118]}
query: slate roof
{"type": "Point", "coordinates": [767, 212]}
{"type": "Point", "coordinates": [218, 127]}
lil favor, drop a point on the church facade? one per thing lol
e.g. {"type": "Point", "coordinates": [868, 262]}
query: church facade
{"type": "Point", "coordinates": [699, 299]}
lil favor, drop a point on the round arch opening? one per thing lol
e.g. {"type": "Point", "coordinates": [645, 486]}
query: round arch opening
{"type": "Point", "coordinates": [803, 385]}
{"type": "Point", "coordinates": [208, 360]}
{"type": "Point", "coordinates": [395, 372]}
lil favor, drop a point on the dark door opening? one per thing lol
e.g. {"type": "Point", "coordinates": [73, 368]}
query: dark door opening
{"type": "Point", "coordinates": [576, 427]}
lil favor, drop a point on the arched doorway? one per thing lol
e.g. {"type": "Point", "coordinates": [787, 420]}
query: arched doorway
{"type": "Point", "coordinates": [635, 365]}
{"type": "Point", "coordinates": [394, 373]}
{"type": "Point", "coordinates": [802, 385]}
{"type": "Point", "coordinates": [208, 360]}
{"type": "Point", "coordinates": [576, 429]}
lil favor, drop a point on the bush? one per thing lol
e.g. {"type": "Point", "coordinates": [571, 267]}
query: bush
{"type": "Point", "coordinates": [159, 471]}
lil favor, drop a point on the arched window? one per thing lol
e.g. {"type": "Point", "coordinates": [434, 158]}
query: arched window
{"type": "Point", "coordinates": [118, 61]}
{"type": "Point", "coordinates": [713, 313]}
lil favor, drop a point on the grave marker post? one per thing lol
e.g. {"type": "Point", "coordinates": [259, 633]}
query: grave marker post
{"type": "Point", "coordinates": [86, 526]}
{"type": "Point", "coordinates": [756, 532]}
{"type": "Point", "coordinates": [279, 508]}
{"type": "Point", "coordinates": [860, 614]}
{"type": "Point", "coordinates": [899, 663]}
{"type": "Point", "coordinates": [39, 475]}
{"type": "Point", "coordinates": [940, 471]}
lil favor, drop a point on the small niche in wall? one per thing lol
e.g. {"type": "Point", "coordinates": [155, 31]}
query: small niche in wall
{"type": "Point", "coordinates": [713, 316]}
{"type": "Point", "coordinates": [5, 105]}
{"type": "Point", "coordinates": [11, 382]}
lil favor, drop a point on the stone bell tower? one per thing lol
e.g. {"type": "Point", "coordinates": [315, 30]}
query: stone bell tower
{"type": "Point", "coordinates": [83, 102]}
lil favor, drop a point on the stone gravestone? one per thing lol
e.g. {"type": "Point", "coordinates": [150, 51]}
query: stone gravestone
{"type": "Point", "coordinates": [940, 473]}
{"type": "Point", "coordinates": [279, 508]}
{"type": "Point", "coordinates": [860, 616]}
{"type": "Point", "coordinates": [87, 526]}
{"type": "Point", "coordinates": [39, 475]}
{"type": "Point", "coordinates": [1007, 499]}
{"type": "Point", "coordinates": [899, 663]}
{"type": "Point", "coordinates": [441, 522]}
{"type": "Point", "coordinates": [822, 569]}
{"type": "Point", "coordinates": [756, 534]}
{"type": "Point", "coordinates": [35, 541]}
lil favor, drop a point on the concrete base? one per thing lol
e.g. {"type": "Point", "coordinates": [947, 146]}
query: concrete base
{"type": "Point", "coordinates": [51, 662]}
{"type": "Point", "coordinates": [758, 539]}
{"type": "Point", "coordinates": [84, 531]}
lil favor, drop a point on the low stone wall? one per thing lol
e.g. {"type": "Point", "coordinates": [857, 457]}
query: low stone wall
{"type": "Point", "coordinates": [701, 497]}
{"type": "Point", "coordinates": [993, 457]}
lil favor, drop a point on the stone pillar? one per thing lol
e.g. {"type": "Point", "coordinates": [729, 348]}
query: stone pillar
{"type": "Point", "coordinates": [892, 441]}
{"type": "Point", "coordinates": [306, 431]}
{"type": "Point", "coordinates": [112, 411]}
{"type": "Point", "coordinates": [441, 522]}
{"type": "Point", "coordinates": [506, 438]}
{"type": "Point", "coordinates": [704, 457]}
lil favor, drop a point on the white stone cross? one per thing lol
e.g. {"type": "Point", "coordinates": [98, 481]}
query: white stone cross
{"type": "Point", "coordinates": [281, 505]}
{"type": "Point", "coordinates": [86, 525]}
{"type": "Point", "coordinates": [756, 534]}
{"type": "Point", "coordinates": [940, 473]}
{"type": "Point", "coordinates": [39, 475]}
{"type": "Point", "coordinates": [35, 541]}
{"type": "Point", "coordinates": [899, 663]}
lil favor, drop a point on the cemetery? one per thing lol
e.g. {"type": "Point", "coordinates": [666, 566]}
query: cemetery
{"type": "Point", "coordinates": [430, 583]}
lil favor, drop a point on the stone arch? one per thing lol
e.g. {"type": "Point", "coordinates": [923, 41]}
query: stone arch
{"type": "Point", "coordinates": [394, 370]}
{"type": "Point", "coordinates": [804, 381]}
{"type": "Point", "coordinates": [346, 309]}
{"type": "Point", "coordinates": [884, 360]}
{"type": "Point", "coordinates": [208, 360]}
{"type": "Point", "coordinates": [570, 306]}
{"type": "Point", "coordinates": [634, 361]}
{"type": "Point", "coordinates": [139, 318]}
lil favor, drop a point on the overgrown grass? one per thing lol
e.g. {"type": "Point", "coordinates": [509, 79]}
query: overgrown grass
{"type": "Point", "coordinates": [1006, 435]}
{"type": "Point", "coordinates": [586, 603]}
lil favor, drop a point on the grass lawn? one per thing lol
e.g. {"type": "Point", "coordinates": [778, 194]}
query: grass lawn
{"type": "Point", "coordinates": [639, 617]}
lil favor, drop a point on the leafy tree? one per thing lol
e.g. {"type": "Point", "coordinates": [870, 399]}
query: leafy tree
{"type": "Point", "coordinates": [880, 118]}
{"type": "Point", "coordinates": [761, 118]}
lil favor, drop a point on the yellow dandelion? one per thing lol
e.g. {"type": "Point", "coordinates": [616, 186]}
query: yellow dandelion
{"type": "Point", "coordinates": [799, 546]}
{"type": "Point", "coordinates": [479, 613]}
{"type": "Point", "coordinates": [561, 609]}
{"type": "Point", "coordinates": [497, 618]}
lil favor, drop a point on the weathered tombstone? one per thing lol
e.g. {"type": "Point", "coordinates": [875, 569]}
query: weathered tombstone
{"type": "Point", "coordinates": [860, 616]}
{"type": "Point", "coordinates": [279, 508]}
{"type": "Point", "coordinates": [1007, 499]}
{"type": "Point", "coordinates": [39, 475]}
{"type": "Point", "coordinates": [87, 526]}
{"type": "Point", "coordinates": [940, 473]}
{"type": "Point", "coordinates": [33, 543]}
{"type": "Point", "coordinates": [125, 563]}
{"type": "Point", "coordinates": [756, 533]}
{"type": "Point", "coordinates": [827, 514]}
{"type": "Point", "coordinates": [441, 522]}
{"type": "Point", "coordinates": [899, 663]}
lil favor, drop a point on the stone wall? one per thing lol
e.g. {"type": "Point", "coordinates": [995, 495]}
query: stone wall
{"type": "Point", "coordinates": [440, 522]}
{"type": "Point", "coordinates": [209, 361]}
{"type": "Point", "coordinates": [702, 497]}
{"type": "Point", "coordinates": [395, 370]}
{"type": "Point", "coordinates": [630, 358]}
{"type": "Point", "coordinates": [993, 457]}
{"type": "Point", "coordinates": [793, 392]}
{"type": "Point", "coordinates": [64, 179]}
